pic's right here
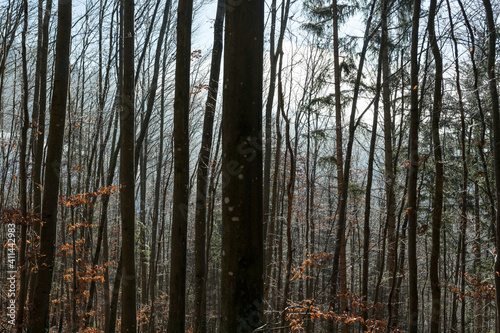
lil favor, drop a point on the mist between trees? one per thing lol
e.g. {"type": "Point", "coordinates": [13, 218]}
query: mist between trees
{"type": "Point", "coordinates": [249, 166]}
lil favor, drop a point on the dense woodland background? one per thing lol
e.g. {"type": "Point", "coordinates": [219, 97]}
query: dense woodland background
{"type": "Point", "coordinates": [334, 165]}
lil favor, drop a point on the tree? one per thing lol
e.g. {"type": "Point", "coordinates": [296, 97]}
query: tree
{"type": "Point", "coordinates": [202, 175]}
{"type": "Point", "coordinates": [242, 212]}
{"type": "Point", "coordinates": [413, 174]}
{"type": "Point", "coordinates": [41, 298]}
{"type": "Point", "coordinates": [127, 172]}
{"type": "Point", "coordinates": [438, 165]}
{"type": "Point", "coordinates": [176, 320]}
{"type": "Point", "coordinates": [495, 112]}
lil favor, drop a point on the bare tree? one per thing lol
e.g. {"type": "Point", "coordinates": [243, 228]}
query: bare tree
{"type": "Point", "coordinates": [176, 320]}
{"type": "Point", "coordinates": [41, 299]}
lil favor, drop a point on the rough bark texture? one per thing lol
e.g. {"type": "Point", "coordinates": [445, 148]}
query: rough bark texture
{"type": "Point", "coordinates": [242, 211]}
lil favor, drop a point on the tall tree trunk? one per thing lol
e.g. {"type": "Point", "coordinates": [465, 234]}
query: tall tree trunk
{"type": "Point", "coordinates": [127, 172]}
{"type": "Point", "coordinates": [413, 174]}
{"type": "Point", "coordinates": [176, 318]}
{"type": "Point", "coordinates": [496, 137]}
{"type": "Point", "coordinates": [388, 152]}
{"type": "Point", "coordinates": [41, 299]}
{"type": "Point", "coordinates": [340, 165]}
{"type": "Point", "coordinates": [343, 170]}
{"type": "Point", "coordinates": [368, 193]}
{"type": "Point", "coordinates": [40, 135]}
{"type": "Point", "coordinates": [289, 193]}
{"type": "Point", "coordinates": [242, 216]}
{"type": "Point", "coordinates": [143, 223]}
{"type": "Point", "coordinates": [438, 163]}
{"type": "Point", "coordinates": [477, 259]}
{"type": "Point", "coordinates": [23, 186]}
{"type": "Point", "coordinates": [200, 319]}
{"type": "Point", "coordinates": [156, 202]}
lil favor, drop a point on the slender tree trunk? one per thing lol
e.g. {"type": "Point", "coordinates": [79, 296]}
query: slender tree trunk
{"type": "Point", "coordinates": [289, 191]}
{"type": "Point", "coordinates": [368, 193]}
{"type": "Point", "coordinates": [477, 259]}
{"type": "Point", "coordinates": [176, 318]}
{"type": "Point", "coordinates": [388, 152]}
{"type": "Point", "coordinates": [156, 204]}
{"type": "Point", "coordinates": [41, 299]}
{"type": "Point", "coordinates": [339, 154]}
{"type": "Point", "coordinates": [343, 170]}
{"type": "Point", "coordinates": [143, 223]}
{"type": "Point", "coordinates": [438, 189]}
{"type": "Point", "coordinates": [200, 320]}
{"type": "Point", "coordinates": [127, 173]}
{"type": "Point", "coordinates": [496, 137]}
{"type": "Point", "coordinates": [413, 174]}
{"type": "Point", "coordinates": [40, 135]}
{"type": "Point", "coordinates": [23, 186]}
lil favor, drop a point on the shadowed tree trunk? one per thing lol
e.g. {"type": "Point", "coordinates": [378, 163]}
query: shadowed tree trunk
{"type": "Point", "coordinates": [438, 191]}
{"type": "Point", "coordinates": [41, 299]}
{"type": "Point", "coordinates": [40, 122]}
{"type": "Point", "coordinates": [176, 319]}
{"type": "Point", "coordinates": [242, 212]}
{"type": "Point", "coordinates": [413, 174]}
{"type": "Point", "coordinates": [127, 173]}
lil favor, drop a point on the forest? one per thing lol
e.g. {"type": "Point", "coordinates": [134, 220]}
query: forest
{"type": "Point", "coordinates": [249, 166]}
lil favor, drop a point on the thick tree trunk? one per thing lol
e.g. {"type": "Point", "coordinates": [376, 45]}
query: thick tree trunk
{"type": "Point", "coordinates": [242, 211]}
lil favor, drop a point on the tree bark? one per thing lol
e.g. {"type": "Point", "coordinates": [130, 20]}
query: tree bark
{"type": "Point", "coordinates": [242, 212]}
{"type": "Point", "coordinates": [438, 187]}
{"type": "Point", "coordinates": [176, 320]}
{"type": "Point", "coordinates": [41, 299]}
{"type": "Point", "coordinates": [492, 84]}
{"type": "Point", "coordinates": [413, 174]}
{"type": "Point", "coordinates": [127, 172]}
